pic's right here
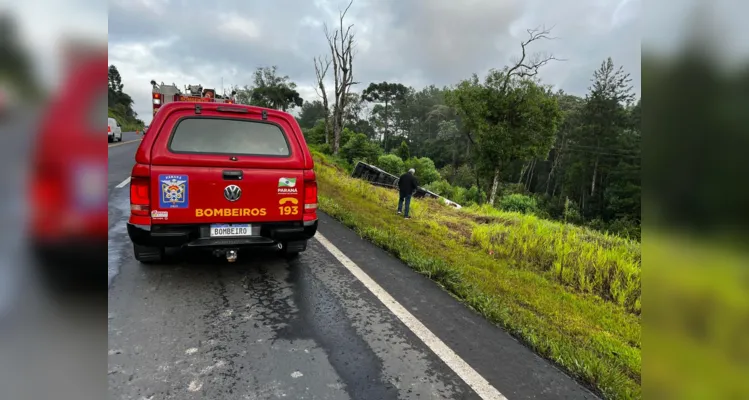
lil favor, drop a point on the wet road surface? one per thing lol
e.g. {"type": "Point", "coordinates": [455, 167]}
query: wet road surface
{"type": "Point", "coordinates": [197, 327]}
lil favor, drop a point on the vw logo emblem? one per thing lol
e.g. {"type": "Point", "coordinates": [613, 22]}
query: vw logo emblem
{"type": "Point", "coordinates": [232, 193]}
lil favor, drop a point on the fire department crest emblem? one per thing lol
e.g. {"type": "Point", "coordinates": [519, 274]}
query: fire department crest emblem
{"type": "Point", "coordinates": [173, 191]}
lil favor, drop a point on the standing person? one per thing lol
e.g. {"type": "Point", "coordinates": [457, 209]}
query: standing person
{"type": "Point", "coordinates": [407, 184]}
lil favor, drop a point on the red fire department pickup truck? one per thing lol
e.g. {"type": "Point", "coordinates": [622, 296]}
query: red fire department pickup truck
{"type": "Point", "coordinates": [221, 176]}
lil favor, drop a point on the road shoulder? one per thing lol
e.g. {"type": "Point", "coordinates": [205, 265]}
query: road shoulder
{"type": "Point", "coordinates": [512, 368]}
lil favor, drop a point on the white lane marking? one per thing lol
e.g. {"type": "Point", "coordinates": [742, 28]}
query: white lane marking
{"type": "Point", "coordinates": [121, 143]}
{"type": "Point", "coordinates": [123, 183]}
{"type": "Point", "coordinates": [472, 378]}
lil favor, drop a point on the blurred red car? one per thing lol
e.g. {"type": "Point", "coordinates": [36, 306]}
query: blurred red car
{"type": "Point", "coordinates": [68, 181]}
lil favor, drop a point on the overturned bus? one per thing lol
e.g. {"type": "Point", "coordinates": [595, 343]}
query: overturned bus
{"type": "Point", "coordinates": [379, 177]}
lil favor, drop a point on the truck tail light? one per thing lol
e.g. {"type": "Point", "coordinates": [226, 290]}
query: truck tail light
{"type": "Point", "coordinates": [310, 195]}
{"type": "Point", "coordinates": [157, 102]}
{"type": "Point", "coordinates": [140, 199]}
{"type": "Point", "coordinates": [47, 188]}
{"type": "Point", "coordinates": [48, 196]}
{"type": "Point", "coordinates": [109, 129]}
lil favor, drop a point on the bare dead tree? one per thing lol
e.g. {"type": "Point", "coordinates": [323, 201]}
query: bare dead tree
{"type": "Point", "coordinates": [321, 70]}
{"type": "Point", "coordinates": [341, 44]}
{"type": "Point", "coordinates": [528, 65]}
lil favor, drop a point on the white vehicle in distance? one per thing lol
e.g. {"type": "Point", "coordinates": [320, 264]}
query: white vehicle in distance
{"type": "Point", "coordinates": [114, 130]}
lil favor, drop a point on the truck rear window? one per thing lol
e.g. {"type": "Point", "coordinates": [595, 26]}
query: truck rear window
{"type": "Point", "coordinates": [228, 136]}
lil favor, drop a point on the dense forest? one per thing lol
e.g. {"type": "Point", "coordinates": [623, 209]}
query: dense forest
{"type": "Point", "coordinates": [120, 104]}
{"type": "Point", "coordinates": [508, 140]}
{"type": "Point", "coordinates": [530, 149]}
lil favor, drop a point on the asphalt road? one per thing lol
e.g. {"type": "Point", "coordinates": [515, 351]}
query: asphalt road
{"type": "Point", "coordinates": [198, 327]}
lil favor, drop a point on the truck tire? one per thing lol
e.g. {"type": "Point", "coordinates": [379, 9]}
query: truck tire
{"type": "Point", "coordinates": [292, 249]}
{"type": "Point", "coordinates": [148, 255]}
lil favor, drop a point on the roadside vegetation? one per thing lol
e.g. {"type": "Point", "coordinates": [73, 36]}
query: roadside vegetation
{"type": "Point", "coordinates": [120, 104]}
{"type": "Point", "coordinates": [570, 293]}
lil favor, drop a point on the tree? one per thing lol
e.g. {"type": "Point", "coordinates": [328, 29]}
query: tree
{"type": "Point", "coordinates": [392, 164]}
{"type": "Point", "coordinates": [604, 118]}
{"type": "Point", "coordinates": [311, 113]}
{"type": "Point", "coordinates": [115, 95]}
{"type": "Point", "coordinates": [385, 93]}
{"type": "Point", "coordinates": [115, 80]}
{"type": "Point", "coordinates": [364, 126]}
{"type": "Point", "coordinates": [273, 91]}
{"type": "Point", "coordinates": [321, 70]}
{"type": "Point", "coordinates": [510, 117]}
{"type": "Point", "coordinates": [316, 134]}
{"type": "Point", "coordinates": [570, 107]}
{"type": "Point", "coordinates": [403, 152]}
{"type": "Point", "coordinates": [353, 109]}
{"type": "Point", "coordinates": [120, 103]}
{"type": "Point", "coordinates": [243, 95]}
{"type": "Point", "coordinates": [426, 172]}
{"type": "Point", "coordinates": [341, 44]}
{"type": "Point", "coordinates": [361, 148]}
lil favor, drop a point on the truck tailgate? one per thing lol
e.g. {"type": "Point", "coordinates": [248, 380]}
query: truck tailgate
{"type": "Point", "coordinates": [203, 195]}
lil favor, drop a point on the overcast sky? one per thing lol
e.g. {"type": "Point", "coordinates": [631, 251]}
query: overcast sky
{"type": "Point", "coordinates": [414, 42]}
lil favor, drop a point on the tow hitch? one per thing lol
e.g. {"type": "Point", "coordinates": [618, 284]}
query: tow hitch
{"type": "Point", "coordinates": [230, 254]}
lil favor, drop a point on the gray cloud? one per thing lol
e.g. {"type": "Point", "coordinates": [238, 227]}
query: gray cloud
{"type": "Point", "coordinates": [415, 42]}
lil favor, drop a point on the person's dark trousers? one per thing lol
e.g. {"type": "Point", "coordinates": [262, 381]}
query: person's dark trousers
{"type": "Point", "coordinates": [407, 198]}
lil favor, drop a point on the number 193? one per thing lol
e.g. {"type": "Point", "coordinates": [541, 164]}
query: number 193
{"type": "Point", "coordinates": [287, 210]}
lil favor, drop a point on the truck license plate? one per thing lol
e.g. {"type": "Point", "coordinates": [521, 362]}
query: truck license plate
{"type": "Point", "coordinates": [231, 230]}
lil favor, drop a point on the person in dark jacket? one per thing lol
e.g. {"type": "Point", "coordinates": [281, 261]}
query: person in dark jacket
{"type": "Point", "coordinates": [407, 184]}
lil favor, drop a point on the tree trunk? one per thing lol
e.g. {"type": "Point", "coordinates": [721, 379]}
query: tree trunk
{"type": "Point", "coordinates": [455, 152]}
{"type": "Point", "coordinates": [551, 172]}
{"type": "Point", "coordinates": [495, 186]}
{"type": "Point", "coordinates": [556, 185]}
{"type": "Point", "coordinates": [522, 172]}
{"type": "Point", "coordinates": [593, 181]}
{"type": "Point", "coordinates": [327, 119]}
{"type": "Point", "coordinates": [385, 137]}
{"type": "Point", "coordinates": [529, 180]}
{"type": "Point", "coordinates": [337, 119]}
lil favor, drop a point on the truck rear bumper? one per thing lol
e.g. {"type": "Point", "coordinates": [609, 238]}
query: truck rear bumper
{"type": "Point", "coordinates": [264, 234]}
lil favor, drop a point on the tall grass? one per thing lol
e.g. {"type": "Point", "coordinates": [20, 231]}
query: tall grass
{"type": "Point", "coordinates": [589, 262]}
{"type": "Point", "coordinates": [583, 259]}
{"type": "Point", "coordinates": [503, 265]}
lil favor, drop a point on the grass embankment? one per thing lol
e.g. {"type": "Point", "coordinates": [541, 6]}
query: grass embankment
{"type": "Point", "coordinates": [128, 124]}
{"type": "Point", "coordinates": [698, 315]}
{"type": "Point", "coordinates": [570, 294]}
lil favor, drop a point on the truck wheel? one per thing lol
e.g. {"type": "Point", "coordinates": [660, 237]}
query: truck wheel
{"type": "Point", "coordinates": [148, 255]}
{"type": "Point", "coordinates": [292, 249]}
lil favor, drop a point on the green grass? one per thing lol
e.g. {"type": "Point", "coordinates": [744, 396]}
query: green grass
{"type": "Point", "coordinates": [697, 318]}
{"type": "Point", "coordinates": [582, 259]}
{"type": "Point", "coordinates": [127, 124]}
{"type": "Point", "coordinates": [570, 294]}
